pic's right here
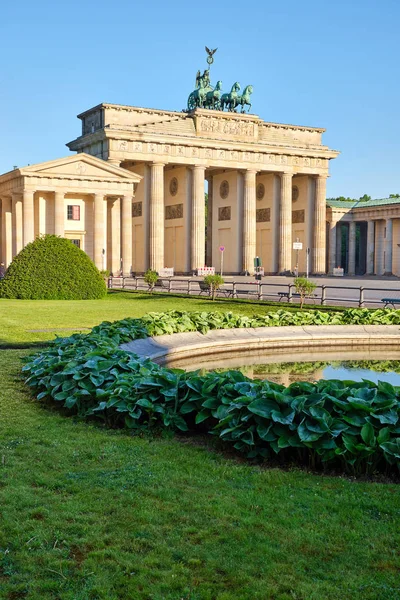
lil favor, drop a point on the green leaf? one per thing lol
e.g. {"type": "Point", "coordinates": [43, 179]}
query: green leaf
{"type": "Point", "coordinates": [384, 435]}
{"type": "Point", "coordinates": [367, 434]}
{"type": "Point", "coordinates": [263, 407]}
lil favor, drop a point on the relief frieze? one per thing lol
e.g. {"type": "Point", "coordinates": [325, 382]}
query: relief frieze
{"type": "Point", "coordinates": [224, 213]}
{"type": "Point", "coordinates": [263, 215]}
{"type": "Point", "coordinates": [226, 127]}
{"type": "Point", "coordinates": [136, 209]}
{"type": "Point", "coordinates": [298, 216]}
{"type": "Point", "coordinates": [174, 211]}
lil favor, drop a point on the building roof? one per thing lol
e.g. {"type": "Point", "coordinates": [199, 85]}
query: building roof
{"type": "Point", "coordinates": [362, 203]}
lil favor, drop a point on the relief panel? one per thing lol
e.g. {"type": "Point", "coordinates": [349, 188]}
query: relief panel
{"type": "Point", "coordinates": [174, 211]}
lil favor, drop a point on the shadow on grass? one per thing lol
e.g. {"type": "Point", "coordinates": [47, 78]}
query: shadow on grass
{"type": "Point", "coordinates": [5, 345]}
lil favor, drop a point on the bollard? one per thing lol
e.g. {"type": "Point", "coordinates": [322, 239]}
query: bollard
{"type": "Point", "coordinates": [169, 285]}
{"type": "Point", "coordinates": [259, 295]}
{"type": "Point", "coordinates": [234, 294]}
{"type": "Point", "coordinates": [361, 300]}
{"type": "Point", "coordinates": [290, 296]}
{"type": "Point", "coordinates": [136, 284]}
{"type": "Point", "coordinates": [189, 286]}
{"type": "Point", "coordinates": [323, 295]}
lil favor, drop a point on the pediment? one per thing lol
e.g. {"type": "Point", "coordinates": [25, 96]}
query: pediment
{"type": "Point", "coordinates": [81, 166]}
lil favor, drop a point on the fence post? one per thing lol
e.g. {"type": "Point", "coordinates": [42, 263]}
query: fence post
{"type": "Point", "coordinates": [259, 295]}
{"type": "Point", "coordinates": [290, 296]}
{"type": "Point", "coordinates": [234, 294]}
{"type": "Point", "coordinates": [361, 300]}
{"type": "Point", "coordinates": [123, 283]}
{"type": "Point", "coordinates": [169, 285]}
{"type": "Point", "coordinates": [189, 286]}
{"type": "Point", "coordinates": [323, 295]}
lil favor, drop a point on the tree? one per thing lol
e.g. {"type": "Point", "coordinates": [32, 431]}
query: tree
{"type": "Point", "coordinates": [365, 198]}
{"type": "Point", "coordinates": [151, 279]}
{"type": "Point", "coordinates": [52, 268]}
{"type": "Point", "coordinates": [215, 282]}
{"type": "Point", "coordinates": [304, 287]}
{"type": "Point", "coordinates": [394, 195]}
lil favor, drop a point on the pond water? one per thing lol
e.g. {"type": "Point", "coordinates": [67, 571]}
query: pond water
{"type": "Point", "coordinates": [285, 368]}
{"type": "Point", "coordinates": [287, 373]}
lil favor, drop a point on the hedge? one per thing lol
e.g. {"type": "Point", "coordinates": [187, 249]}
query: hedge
{"type": "Point", "coordinates": [52, 268]}
{"type": "Point", "coordinates": [344, 424]}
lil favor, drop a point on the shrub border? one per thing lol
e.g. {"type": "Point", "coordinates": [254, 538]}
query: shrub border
{"type": "Point", "coordinates": [353, 425]}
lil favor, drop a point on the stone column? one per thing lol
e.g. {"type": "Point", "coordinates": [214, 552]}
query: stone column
{"type": "Point", "coordinates": [197, 238]}
{"type": "Point", "coordinates": [249, 221]}
{"type": "Point", "coordinates": [27, 210]}
{"type": "Point", "coordinates": [18, 237]}
{"type": "Point", "coordinates": [319, 248]}
{"type": "Point", "coordinates": [116, 236]}
{"type": "Point", "coordinates": [59, 213]}
{"type": "Point", "coordinates": [285, 224]}
{"type": "Point", "coordinates": [370, 248]}
{"type": "Point", "coordinates": [332, 246]}
{"type": "Point", "coordinates": [126, 235]}
{"type": "Point", "coordinates": [6, 231]}
{"type": "Point", "coordinates": [210, 180]}
{"type": "Point", "coordinates": [156, 217]}
{"type": "Point", "coordinates": [352, 248]}
{"type": "Point", "coordinates": [389, 247]}
{"type": "Point", "coordinates": [98, 230]}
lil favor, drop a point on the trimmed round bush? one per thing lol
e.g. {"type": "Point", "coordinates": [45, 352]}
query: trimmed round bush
{"type": "Point", "coordinates": [52, 268]}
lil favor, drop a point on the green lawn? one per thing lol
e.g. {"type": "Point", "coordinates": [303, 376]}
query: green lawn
{"type": "Point", "coordinates": [27, 321]}
{"type": "Point", "coordinates": [90, 514]}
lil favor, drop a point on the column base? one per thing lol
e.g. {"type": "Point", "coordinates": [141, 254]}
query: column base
{"type": "Point", "coordinates": [388, 274]}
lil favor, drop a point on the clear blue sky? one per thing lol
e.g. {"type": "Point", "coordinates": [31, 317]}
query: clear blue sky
{"type": "Point", "coordinates": [326, 64]}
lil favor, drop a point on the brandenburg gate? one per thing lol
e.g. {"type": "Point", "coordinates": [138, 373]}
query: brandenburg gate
{"type": "Point", "coordinates": [266, 186]}
{"type": "Point", "coordinates": [133, 197]}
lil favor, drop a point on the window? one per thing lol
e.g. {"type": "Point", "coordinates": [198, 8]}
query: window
{"type": "Point", "coordinates": [73, 212]}
{"type": "Point", "coordinates": [76, 243]}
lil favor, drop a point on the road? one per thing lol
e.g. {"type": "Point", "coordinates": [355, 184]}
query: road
{"type": "Point", "coordinates": [339, 291]}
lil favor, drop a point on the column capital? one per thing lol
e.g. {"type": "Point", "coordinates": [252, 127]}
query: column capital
{"type": "Point", "coordinates": [157, 164]}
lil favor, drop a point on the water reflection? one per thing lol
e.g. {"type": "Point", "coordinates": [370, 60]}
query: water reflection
{"type": "Point", "coordinates": [285, 368]}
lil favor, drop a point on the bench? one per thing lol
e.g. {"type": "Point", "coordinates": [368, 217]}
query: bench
{"type": "Point", "coordinates": [205, 289]}
{"type": "Point", "coordinates": [247, 292]}
{"type": "Point", "coordinates": [294, 295]}
{"type": "Point", "coordinates": [160, 283]}
{"type": "Point", "coordinates": [391, 301]}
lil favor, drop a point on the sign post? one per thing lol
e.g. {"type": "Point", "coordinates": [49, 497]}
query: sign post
{"type": "Point", "coordinates": [221, 249]}
{"type": "Point", "coordinates": [297, 246]}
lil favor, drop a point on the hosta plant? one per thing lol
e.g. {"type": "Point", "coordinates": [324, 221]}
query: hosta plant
{"type": "Point", "coordinates": [353, 426]}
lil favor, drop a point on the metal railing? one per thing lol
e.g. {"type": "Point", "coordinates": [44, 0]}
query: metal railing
{"type": "Point", "coordinates": [323, 294]}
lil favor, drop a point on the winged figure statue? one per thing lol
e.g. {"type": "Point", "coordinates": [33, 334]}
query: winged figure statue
{"type": "Point", "coordinates": [210, 53]}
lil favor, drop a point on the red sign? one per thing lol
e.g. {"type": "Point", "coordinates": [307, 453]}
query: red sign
{"type": "Point", "coordinates": [221, 248]}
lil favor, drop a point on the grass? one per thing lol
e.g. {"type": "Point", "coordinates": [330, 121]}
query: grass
{"type": "Point", "coordinates": [32, 321]}
{"type": "Point", "coordinates": [90, 514]}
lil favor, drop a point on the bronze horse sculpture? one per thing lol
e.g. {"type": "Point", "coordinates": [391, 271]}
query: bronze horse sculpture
{"type": "Point", "coordinates": [231, 100]}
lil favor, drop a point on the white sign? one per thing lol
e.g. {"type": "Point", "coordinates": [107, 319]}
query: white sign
{"type": "Point", "coordinates": [221, 248]}
{"type": "Point", "coordinates": [297, 245]}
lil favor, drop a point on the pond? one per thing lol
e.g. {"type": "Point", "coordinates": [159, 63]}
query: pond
{"type": "Point", "coordinates": [285, 368]}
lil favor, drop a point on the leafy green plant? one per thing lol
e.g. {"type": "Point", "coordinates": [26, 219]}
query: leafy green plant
{"type": "Point", "coordinates": [151, 279]}
{"type": "Point", "coordinates": [52, 268]}
{"type": "Point", "coordinates": [214, 282]}
{"type": "Point", "coordinates": [304, 287]}
{"type": "Point", "coordinates": [354, 426]}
